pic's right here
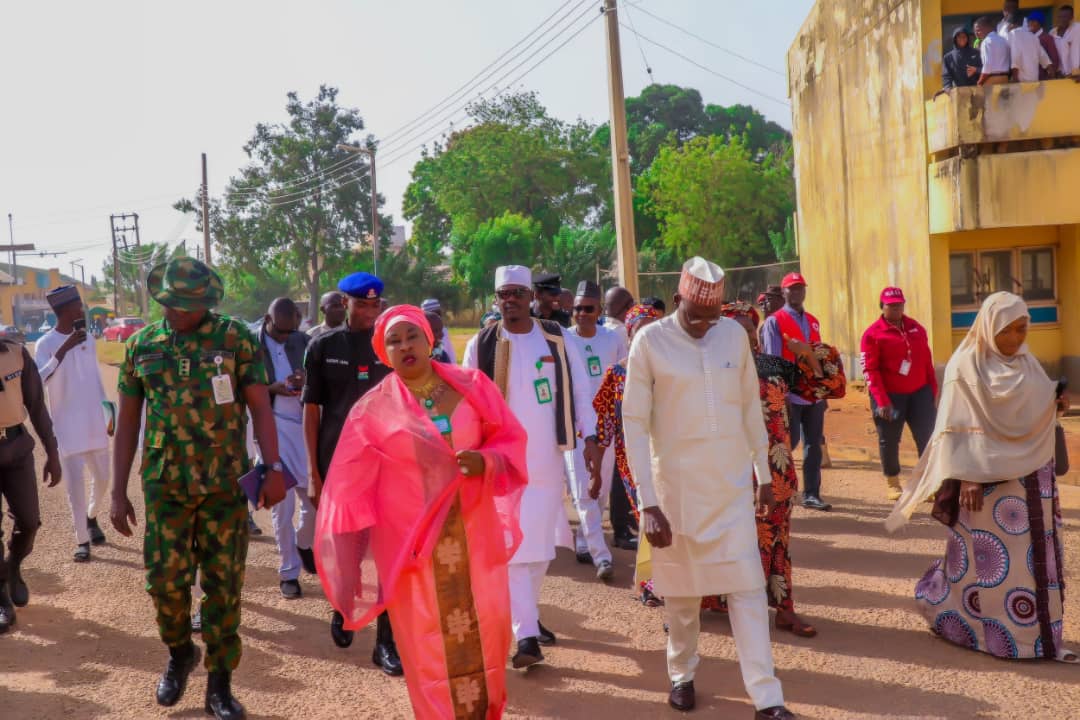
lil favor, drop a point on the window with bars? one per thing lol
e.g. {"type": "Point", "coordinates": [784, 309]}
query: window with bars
{"type": "Point", "coordinates": [1028, 272]}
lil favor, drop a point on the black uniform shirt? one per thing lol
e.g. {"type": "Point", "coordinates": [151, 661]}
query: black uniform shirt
{"type": "Point", "coordinates": [341, 367]}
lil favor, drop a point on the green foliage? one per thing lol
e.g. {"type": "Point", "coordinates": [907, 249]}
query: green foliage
{"type": "Point", "coordinates": [577, 253]}
{"type": "Point", "coordinates": [306, 233]}
{"type": "Point", "coordinates": [135, 263]}
{"type": "Point", "coordinates": [713, 199]}
{"type": "Point", "coordinates": [506, 240]}
{"type": "Point", "coordinates": [783, 243]}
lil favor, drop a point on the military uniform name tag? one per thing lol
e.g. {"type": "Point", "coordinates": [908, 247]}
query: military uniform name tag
{"type": "Point", "coordinates": [543, 391]}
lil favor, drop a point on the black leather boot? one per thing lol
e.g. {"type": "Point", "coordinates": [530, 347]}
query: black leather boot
{"type": "Point", "coordinates": [182, 660]}
{"type": "Point", "coordinates": [219, 698]}
{"type": "Point", "coordinates": [7, 610]}
{"type": "Point", "coordinates": [20, 594]}
{"type": "Point", "coordinates": [385, 655]}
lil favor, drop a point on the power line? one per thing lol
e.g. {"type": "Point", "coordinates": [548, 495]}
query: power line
{"type": "Point", "coordinates": [676, 53]}
{"type": "Point", "coordinates": [473, 80]}
{"type": "Point", "coordinates": [707, 41]}
{"type": "Point", "coordinates": [400, 155]}
{"type": "Point", "coordinates": [441, 118]}
{"type": "Point", "coordinates": [641, 49]}
{"type": "Point", "coordinates": [302, 180]}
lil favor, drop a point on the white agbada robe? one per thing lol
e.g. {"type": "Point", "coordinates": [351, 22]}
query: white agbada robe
{"type": "Point", "coordinates": [74, 393]}
{"type": "Point", "coordinates": [694, 434]}
{"type": "Point", "coordinates": [542, 511]}
{"type": "Point", "coordinates": [600, 352]}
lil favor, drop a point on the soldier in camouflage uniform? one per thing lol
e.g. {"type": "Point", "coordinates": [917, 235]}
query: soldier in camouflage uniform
{"type": "Point", "coordinates": [197, 372]}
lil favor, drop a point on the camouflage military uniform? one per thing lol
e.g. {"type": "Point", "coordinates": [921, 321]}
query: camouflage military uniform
{"type": "Point", "coordinates": [194, 451]}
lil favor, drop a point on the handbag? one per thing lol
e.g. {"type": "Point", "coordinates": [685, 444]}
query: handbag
{"type": "Point", "coordinates": [1061, 452]}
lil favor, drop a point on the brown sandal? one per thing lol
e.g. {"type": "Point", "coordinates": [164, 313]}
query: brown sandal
{"type": "Point", "coordinates": [796, 627]}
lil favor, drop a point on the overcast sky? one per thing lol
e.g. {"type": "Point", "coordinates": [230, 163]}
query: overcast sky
{"type": "Point", "coordinates": [107, 105]}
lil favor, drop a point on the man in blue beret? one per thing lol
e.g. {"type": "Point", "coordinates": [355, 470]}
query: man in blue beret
{"type": "Point", "coordinates": [340, 367]}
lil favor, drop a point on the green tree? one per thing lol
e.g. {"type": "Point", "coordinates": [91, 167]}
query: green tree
{"type": "Point", "coordinates": [712, 198]}
{"type": "Point", "coordinates": [577, 253]}
{"type": "Point", "coordinates": [506, 240]}
{"type": "Point", "coordinates": [301, 206]}
{"type": "Point", "coordinates": [134, 265]}
{"type": "Point", "coordinates": [783, 243]}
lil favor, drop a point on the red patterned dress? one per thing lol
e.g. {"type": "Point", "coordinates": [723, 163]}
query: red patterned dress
{"type": "Point", "coordinates": [608, 406]}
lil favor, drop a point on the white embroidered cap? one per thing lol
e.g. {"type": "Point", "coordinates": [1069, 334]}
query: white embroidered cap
{"type": "Point", "coordinates": [513, 275]}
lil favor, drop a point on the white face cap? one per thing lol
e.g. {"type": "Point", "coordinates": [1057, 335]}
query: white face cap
{"type": "Point", "coordinates": [513, 275]}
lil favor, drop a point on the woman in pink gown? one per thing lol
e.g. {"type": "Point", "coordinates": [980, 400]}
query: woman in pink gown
{"type": "Point", "coordinates": [419, 515]}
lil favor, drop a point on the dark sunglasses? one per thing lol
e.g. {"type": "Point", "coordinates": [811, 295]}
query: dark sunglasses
{"type": "Point", "coordinates": [512, 293]}
{"type": "Point", "coordinates": [584, 308]}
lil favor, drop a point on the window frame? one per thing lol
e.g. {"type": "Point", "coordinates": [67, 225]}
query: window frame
{"type": "Point", "coordinates": [1016, 272]}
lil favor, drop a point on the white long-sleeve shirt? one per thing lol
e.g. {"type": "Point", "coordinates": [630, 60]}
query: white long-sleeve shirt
{"type": "Point", "coordinates": [1068, 44]}
{"type": "Point", "coordinates": [1027, 54]}
{"type": "Point", "coordinates": [74, 393]}
{"type": "Point", "coordinates": [996, 59]}
{"type": "Point", "coordinates": [694, 426]}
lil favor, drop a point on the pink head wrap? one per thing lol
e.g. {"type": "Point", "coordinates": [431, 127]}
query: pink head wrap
{"type": "Point", "coordinates": [393, 316]}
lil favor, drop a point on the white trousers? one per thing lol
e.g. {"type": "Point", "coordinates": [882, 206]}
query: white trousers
{"type": "Point", "coordinates": [290, 537]}
{"type": "Point", "coordinates": [73, 468]}
{"type": "Point", "coordinates": [590, 535]}
{"type": "Point", "coordinates": [526, 579]}
{"type": "Point", "coordinates": [749, 615]}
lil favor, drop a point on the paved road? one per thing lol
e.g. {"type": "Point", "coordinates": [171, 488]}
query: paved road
{"type": "Point", "coordinates": [86, 646]}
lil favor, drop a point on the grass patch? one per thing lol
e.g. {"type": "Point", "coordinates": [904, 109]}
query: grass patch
{"type": "Point", "coordinates": [110, 353]}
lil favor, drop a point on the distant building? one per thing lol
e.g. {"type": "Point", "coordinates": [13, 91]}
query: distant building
{"type": "Point", "coordinates": [22, 298]}
{"type": "Point", "coordinates": [397, 237]}
{"type": "Point", "coordinates": [951, 196]}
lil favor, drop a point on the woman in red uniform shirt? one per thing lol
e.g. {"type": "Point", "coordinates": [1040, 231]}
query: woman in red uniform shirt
{"type": "Point", "coordinates": [899, 372]}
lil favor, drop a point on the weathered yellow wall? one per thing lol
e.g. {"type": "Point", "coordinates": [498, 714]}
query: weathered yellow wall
{"type": "Point", "coordinates": [1069, 301]}
{"type": "Point", "coordinates": [855, 79]}
{"type": "Point", "coordinates": [30, 287]}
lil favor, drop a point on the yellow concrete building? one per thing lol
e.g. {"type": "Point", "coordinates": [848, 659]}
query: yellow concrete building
{"type": "Point", "coordinates": [22, 297]}
{"type": "Point", "coordinates": [950, 196]}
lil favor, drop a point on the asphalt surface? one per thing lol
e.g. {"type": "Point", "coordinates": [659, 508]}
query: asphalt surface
{"type": "Point", "coordinates": [86, 646]}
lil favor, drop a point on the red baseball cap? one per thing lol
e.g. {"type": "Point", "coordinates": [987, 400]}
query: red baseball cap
{"type": "Point", "coordinates": [792, 279]}
{"type": "Point", "coordinates": [892, 296]}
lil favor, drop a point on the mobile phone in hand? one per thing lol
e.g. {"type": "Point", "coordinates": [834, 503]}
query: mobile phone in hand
{"type": "Point", "coordinates": [80, 324]}
{"type": "Point", "coordinates": [1062, 385]}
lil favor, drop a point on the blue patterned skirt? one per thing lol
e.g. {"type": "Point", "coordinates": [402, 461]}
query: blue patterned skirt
{"type": "Point", "coordinates": [999, 589]}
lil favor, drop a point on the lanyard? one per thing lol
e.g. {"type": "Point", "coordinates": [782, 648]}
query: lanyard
{"type": "Point", "coordinates": [904, 335]}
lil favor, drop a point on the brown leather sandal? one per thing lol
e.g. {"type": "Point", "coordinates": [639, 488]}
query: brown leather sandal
{"type": "Point", "coordinates": [796, 626]}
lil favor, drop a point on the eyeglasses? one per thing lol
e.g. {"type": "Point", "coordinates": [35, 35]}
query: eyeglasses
{"type": "Point", "coordinates": [584, 308]}
{"type": "Point", "coordinates": [511, 293]}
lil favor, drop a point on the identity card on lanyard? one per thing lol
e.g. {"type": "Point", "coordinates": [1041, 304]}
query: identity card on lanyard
{"type": "Point", "coordinates": [223, 390]}
{"type": "Point", "coordinates": [595, 368]}
{"type": "Point", "coordinates": [541, 385]}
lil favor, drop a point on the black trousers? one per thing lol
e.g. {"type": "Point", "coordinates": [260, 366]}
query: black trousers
{"type": "Point", "coordinates": [917, 411]}
{"type": "Point", "coordinates": [622, 519]}
{"type": "Point", "coordinates": [18, 488]}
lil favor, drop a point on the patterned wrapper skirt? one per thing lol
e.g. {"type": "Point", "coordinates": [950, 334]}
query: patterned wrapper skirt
{"type": "Point", "coordinates": [999, 589]}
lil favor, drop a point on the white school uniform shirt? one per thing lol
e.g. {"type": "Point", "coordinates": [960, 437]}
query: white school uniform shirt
{"type": "Point", "coordinates": [1027, 54]}
{"type": "Point", "coordinates": [1068, 45]}
{"type": "Point", "coordinates": [607, 347]}
{"type": "Point", "coordinates": [74, 393]}
{"type": "Point", "coordinates": [541, 501]}
{"type": "Point", "coordinates": [996, 59]}
{"type": "Point", "coordinates": [695, 434]}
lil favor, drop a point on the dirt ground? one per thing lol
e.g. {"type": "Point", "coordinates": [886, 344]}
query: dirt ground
{"type": "Point", "coordinates": [86, 646]}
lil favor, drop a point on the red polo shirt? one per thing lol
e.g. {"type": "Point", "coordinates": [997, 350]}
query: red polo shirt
{"type": "Point", "coordinates": [884, 352]}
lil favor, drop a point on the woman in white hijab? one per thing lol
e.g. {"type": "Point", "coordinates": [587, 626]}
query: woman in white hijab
{"type": "Point", "coordinates": [998, 588]}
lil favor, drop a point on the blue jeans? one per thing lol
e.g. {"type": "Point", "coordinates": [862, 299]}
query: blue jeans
{"type": "Point", "coordinates": [808, 425]}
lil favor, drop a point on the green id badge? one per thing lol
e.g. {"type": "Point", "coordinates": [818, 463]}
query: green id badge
{"type": "Point", "coordinates": [543, 391]}
{"type": "Point", "coordinates": [442, 422]}
{"type": "Point", "coordinates": [595, 369]}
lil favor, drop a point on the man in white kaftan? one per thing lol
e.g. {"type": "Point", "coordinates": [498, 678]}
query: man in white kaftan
{"type": "Point", "coordinates": [695, 434]}
{"type": "Point", "coordinates": [545, 383]}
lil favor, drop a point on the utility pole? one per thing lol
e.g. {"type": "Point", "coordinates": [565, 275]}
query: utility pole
{"type": "Point", "coordinates": [205, 211]}
{"type": "Point", "coordinates": [626, 243]}
{"type": "Point", "coordinates": [82, 269]}
{"type": "Point", "coordinates": [370, 152]}
{"type": "Point", "coordinates": [15, 250]}
{"type": "Point", "coordinates": [120, 238]}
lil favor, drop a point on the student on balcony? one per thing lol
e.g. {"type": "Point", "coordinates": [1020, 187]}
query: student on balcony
{"type": "Point", "coordinates": [1067, 36]}
{"type": "Point", "coordinates": [994, 49]}
{"type": "Point", "coordinates": [960, 66]}
{"type": "Point", "coordinates": [1025, 50]}
{"type": "Point", "coordinates": [1035, 22]}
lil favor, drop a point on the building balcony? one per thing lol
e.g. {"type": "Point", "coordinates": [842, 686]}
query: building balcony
{"type": "Point", "coordinates": [1004, 156]}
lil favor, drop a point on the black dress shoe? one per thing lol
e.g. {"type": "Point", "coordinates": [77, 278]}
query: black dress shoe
{"type": "Point", "coordinates": [307, 559]}
{"type": "Point", "coordinates": [219, 698]}
{"type": "Point", "coordinates": [96, 536]}
{"type": "Point", "coordinates": [584, 558]}
{"type": "Point", "coordinates": [7, 612]}
{"type": "Point", "coordinates": [82, 553]}
{"type": "Point", "coordinates": [546, 636]}
{"type": "Point", "coordinates": [778, 712]}
{"type": "Point", "coordinates": [182, 660]}
{"type": "Point", "coordinates": [682, 696]}
{"type": "Point", "coordinates": [528, 653]}
{"type": "Point", "coordinates": [626, 542]}
{"type": "Point", "coordinates": [342, 638]}
{"type": "Point", "coordinates": [290, 590]}
{"type": "Point", "coordinates": [385, 656]}
{"type": "Point", "coordinates": [20, 594]}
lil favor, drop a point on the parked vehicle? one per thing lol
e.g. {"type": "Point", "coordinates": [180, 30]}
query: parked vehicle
{"type": "Point", "coordinates": [121, 329]}
{"type": "Point", "coordinates": [10, 332]}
